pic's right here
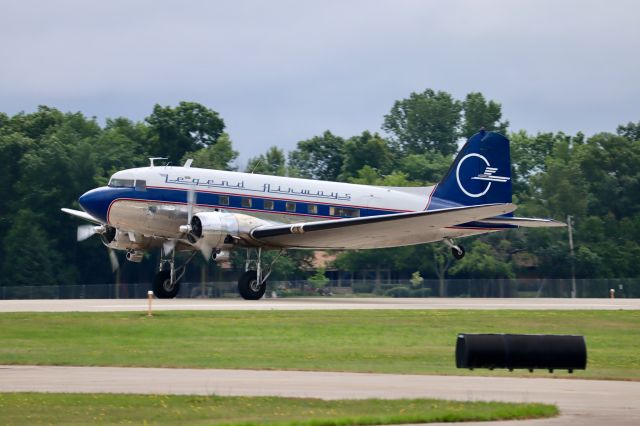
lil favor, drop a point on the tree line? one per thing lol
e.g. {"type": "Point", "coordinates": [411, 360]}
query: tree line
{"type": "Point", "coordinates": [49, 157]}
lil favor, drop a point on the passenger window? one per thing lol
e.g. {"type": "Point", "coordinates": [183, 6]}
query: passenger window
{"type": "Point", "coordinates": [223, 200]}
{"type": "Point", "coordinates": [312, 209]}
{"type": "Point", "coordinates": [291, 206]}
{"type": "Point", "coordinates": [246, 202]}
{"type": "Point", "coordinates": [344, 212]}
{"type": "Point", "coordinates": [268, 204]}
{"type": "Point", "coordinates": [141, 185]}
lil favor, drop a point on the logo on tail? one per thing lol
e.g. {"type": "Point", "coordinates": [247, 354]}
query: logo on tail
{"type": "Point", "coordinates": [488, 176]}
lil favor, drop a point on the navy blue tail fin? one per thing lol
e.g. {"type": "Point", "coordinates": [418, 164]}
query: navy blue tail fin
{"type": "Point", "coordinates": [481, 173]}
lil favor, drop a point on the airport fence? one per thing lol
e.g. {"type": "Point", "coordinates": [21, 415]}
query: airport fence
{"type": "Point", "coordinates": [592, 288]}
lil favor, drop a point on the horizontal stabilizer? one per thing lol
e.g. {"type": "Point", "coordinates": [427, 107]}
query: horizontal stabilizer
{"type": "Point", "coordinates": [525, 222]}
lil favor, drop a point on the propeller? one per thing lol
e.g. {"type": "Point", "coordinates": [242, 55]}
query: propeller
{"type": "Point", "coordinates": [204, 248]}
{"type": "Point", "coordinates": [86, 231]}
{"type": "Point", "coordinates": [168, 247]}
{"type": "Point", "coordinates": [191, 200]}
{"type": "Point", "coordinates": [113, 259]}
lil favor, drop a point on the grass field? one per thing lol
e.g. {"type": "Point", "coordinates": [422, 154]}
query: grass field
{"type": "Point", "coordinates": [81, 409]}
{"type": "Point", "coordinates": [364, 341]}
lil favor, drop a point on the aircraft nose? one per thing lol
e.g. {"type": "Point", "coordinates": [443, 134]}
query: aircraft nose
{"type": "Point", "coordinates": [96, 203]}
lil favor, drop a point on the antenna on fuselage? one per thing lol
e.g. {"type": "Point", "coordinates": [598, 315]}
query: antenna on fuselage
{"type": "Point", "coordinates": [256, 165]}
{"type": "Point", "coordinates": [152, 159]}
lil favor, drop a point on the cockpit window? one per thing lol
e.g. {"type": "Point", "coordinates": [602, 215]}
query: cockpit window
{"type": "Point", "coordinates": [141, 185]}
{"type": "Point", "coordinates": [121, 183]}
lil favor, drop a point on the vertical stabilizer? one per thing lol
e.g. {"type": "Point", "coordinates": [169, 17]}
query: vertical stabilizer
{"type": "Point", "coordinates": [480, 174]}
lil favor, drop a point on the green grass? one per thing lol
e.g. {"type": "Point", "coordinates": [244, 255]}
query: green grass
{"type": "Point", "coordinates": [81, 409]}
{"type": "Point", "coordinates": [364, 341]}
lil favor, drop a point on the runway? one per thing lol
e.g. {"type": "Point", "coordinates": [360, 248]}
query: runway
{"type": "Point", "coordinates": [330, 303]}
{"type": "Point", "coordinates": [583, 402]}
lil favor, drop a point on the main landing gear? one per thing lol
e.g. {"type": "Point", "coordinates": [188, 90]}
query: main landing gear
{"type": "Point", "coordinates": [251, 285]}
{"type": "Point", "coordinates": [456, 250]}
{"type": "Point", "coordinates": [253, 282]}
{"type": "Point", "coordinates": [166, 283]}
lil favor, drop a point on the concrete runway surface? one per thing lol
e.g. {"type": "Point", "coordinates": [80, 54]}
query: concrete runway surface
{"type": "Point", "coordinates": [110, 305]}
{"type": "Point", "coordinates": [582, 402]}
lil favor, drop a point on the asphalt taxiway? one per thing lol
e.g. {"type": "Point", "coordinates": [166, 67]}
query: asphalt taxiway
{"type": "Point", "coordinates": [331, 303]}
{"type": "Point", "coordinates": [582, 402]}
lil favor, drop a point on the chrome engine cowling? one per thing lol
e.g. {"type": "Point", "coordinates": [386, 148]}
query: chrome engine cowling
{"type": "Point", "coordinates": [214, 227]}
{"type": "Point", "coordinates": [220, 229]}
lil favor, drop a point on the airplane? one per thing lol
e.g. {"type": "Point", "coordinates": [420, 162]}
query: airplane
{"type": "Point", "coordinates": [188, 209]}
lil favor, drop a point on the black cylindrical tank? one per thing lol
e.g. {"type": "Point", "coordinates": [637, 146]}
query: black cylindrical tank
{"type": "Point", "coordinates": [530, 351]}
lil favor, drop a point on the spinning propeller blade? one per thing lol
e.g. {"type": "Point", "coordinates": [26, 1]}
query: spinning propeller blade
{"type": "Point", "coordinates": [113, 259]}
{"type": "Point", "coordinates": [85, 231]}
{"type": "Point", "coordinates": [168, 247]}
{"type": "Point", "coordinates": [205, 249]}
{"type": "Point", "coordinates": [191, 200]}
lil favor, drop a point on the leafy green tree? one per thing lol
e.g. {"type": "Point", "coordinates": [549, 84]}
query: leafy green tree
{"type": "Point", "coordinates": [416, 280]}
{"type": "Point", "coordinates": [480, 113]}
{"type": "Point", "coordinates": [609, 164]}
{"type": "Point", "coordinates": [320, 157]}
{"type": "Point", "coordinates": [32, 259]}
{"type": "Point", "coordinates": [187, 127]}
{"type": "Point", "coordinates": [319, 279]}
{"type": "Point", "coordinates": [272, 163]}
{"type": "Point", "coordinates": [427, 121]}
{"type": "Point", "coordinates": [366, 150]}
{"type": "Point", "coordinates": [13, 147]}
{"type": "Point", "coordinates": [482, 261]}
{"type": "Point", "coordinates": [37, 124]}
{"type": "Point", "coordinates": [4, 121]}
{"type": "Point", "coordinates": [531, 156]}
{"type": "Point", "coordinates": [370, 176]}
{"type": "Point", "coordinates": [630, 131]}
{"type": "Point", "coordinates": [121, 145]}
{"type": "Point", "coordinates": [425, 169]}
{"type": "Point", "coordinates": [442, 260]}
{"type": "Point", "coordinates": [563, 189]}
{"type": "Point", "coordinates": [218, 156]}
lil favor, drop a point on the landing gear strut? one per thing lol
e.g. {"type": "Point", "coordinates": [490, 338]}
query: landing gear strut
{"type": "Point", "coordinates": [456, 250]}
{"type": "Point", "coordinates": [166, 283]}
{"type": "Point", "coordinates": [253, 282]}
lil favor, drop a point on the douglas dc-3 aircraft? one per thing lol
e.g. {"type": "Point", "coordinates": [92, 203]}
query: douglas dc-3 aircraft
{"type": "Point", "coordinates": [212, 211]}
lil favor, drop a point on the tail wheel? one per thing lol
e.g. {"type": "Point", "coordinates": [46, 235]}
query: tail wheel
{"type": "Point", "coordinates": [249, 288]}
{"type": "Point", "coordinates": [458, 252]}
{"type": "Point", "coordinates": [163, 288]}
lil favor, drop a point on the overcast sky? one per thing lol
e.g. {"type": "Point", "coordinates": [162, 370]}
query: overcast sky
{"type": "Point", "coordinates": [282, 71]}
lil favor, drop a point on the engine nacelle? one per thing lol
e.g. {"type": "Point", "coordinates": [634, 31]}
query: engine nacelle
{"type": "Point", "coordinates": [220, 229]}
{"type": "Point", "coordinates": [121, 240]}
{"type": "Point", "coordinates": [215, 227]}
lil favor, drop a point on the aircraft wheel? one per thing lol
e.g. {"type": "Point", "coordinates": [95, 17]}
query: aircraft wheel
{"type": "Point", "coordinates": [458, 252]}
{"type": "Point", "coordinates": [249, 288]}
{"type": "Point", "coordinates": [163, 288]}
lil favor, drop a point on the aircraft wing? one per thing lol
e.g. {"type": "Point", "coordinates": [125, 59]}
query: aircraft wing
{"type": "Point", "coordinates": [82, 215]}
{"type": "Point", "coordinates": [375, 231]}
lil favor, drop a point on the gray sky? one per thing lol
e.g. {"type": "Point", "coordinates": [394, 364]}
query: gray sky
{"type": "Point", "coordinates": [282, 71]}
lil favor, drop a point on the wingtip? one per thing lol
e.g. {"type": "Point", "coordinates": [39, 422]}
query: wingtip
{"type": "Point", "coordinates": [556, 223]}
